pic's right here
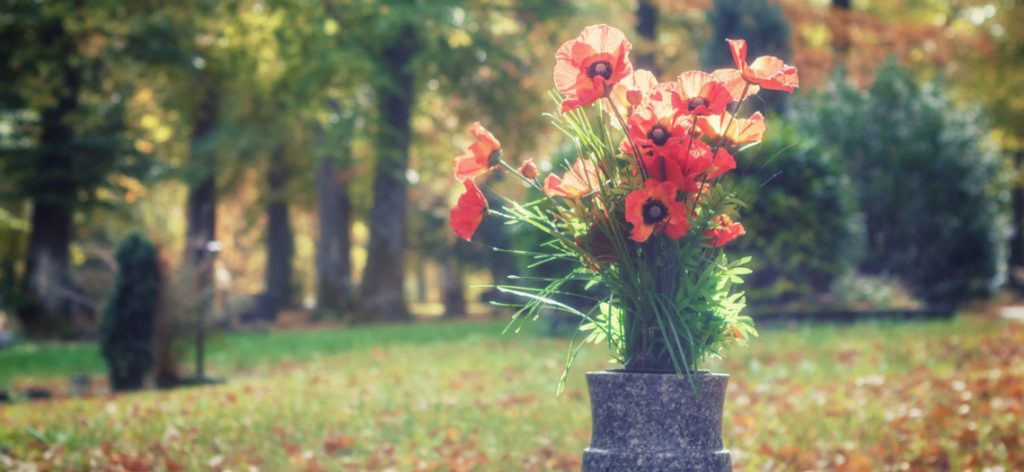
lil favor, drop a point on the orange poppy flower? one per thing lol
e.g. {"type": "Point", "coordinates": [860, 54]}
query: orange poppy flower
{"type": "Point", "coordinates": [735, 83]}
{"type": "Point", "coordinates": [528, 169]}
{"type": "Point", "coordinates": [587, 67]}
{"type": "Point", "coordinates": [741, 130]}
{"type": "Point", "coordinates": [479, 157]}
{"type": "Point", "coordinates": [579, 181]}
{"type": "Point", "coordinates": [699, 93]}
{"type": "Point", "coordinates": [467, 214]}
{"type": "Point", "coordinates": [769, 72]}
{"type": "Point", "coordinates": [724, 231]}
{"type": "Point", "coordinates": [655, 208]}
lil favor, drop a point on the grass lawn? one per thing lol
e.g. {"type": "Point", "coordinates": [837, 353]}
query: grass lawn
{"type": "Point", "coordinates": [917, 396]}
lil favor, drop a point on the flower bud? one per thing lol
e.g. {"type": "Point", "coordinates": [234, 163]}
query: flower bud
{"type": "Point", "coordinates": [528, 169]}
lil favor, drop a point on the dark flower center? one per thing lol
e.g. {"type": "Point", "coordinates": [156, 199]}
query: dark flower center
{"type": "Point", "coordinates": [654, 211]}
{"type": "Point", "coordinates": [659, 135]}
{"type": "Point", "coordinates": [602, 68]}
{"type": "Point", "coordinates": [697, 102]}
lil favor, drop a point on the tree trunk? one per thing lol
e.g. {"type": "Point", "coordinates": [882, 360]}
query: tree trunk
{"type": "Point", "coordinates": [333, 248]}
{"type": "Point", "coordinates": [454, 296]}
{"type": "Point", "coordinates": [53, 201]}
{"type": "Point", "coordinates": [280, 240]}
{"type": "Point", "coordinates": [421, 279]}
{"type": "Point", "coordinates": [201, 224]}
{"type": "Point", "coordinates": [202, 196]}
{"type": "Point", "coordinates": [647, 28]}
{"type": "Point", "coordinates": [382, 288]}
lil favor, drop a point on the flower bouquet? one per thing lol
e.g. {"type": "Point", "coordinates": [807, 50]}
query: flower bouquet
{"type": "Point", "coordinates": [641, 215]}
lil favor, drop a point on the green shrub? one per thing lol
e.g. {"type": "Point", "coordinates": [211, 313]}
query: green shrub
{"type": "Point", "coordinates": [803, 228]}
{"type": "Point", "coordinates": [128, 317]}
{"type": "Point", "coordinates": [929, 185]}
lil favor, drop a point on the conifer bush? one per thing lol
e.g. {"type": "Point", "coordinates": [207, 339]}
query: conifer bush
{"type": "Point", "coordinates": [130, 313]}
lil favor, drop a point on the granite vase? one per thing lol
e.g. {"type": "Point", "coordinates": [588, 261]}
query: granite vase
{"type": "Point", "coordinates": [656, 421]}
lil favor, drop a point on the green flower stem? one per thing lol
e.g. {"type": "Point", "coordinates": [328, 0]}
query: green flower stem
{"type": "Point", "coordinates": [514, 171]}
{"type": "Point", "coordinates": [625, 130]}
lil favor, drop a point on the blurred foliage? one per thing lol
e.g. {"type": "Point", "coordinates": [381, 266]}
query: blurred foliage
{"type": "Point", "coordinates": [802, 221]}
{"type": "Point", "coordinates": [306, 76]}
{"type": "Point", "coordinates": [129, 316]}
{"type": "Point", "coordinates": [929, 182]}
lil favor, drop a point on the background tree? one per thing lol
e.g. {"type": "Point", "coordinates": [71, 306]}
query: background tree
{"type": "Point", "coordinates": [180, 47]}
{"type": "Point", "coordinates": [382, 296]}
{"type": "Point", "coordinates": [334, 284]}
{"type": "Point", "coordinates": [69, 135]}
{"type": "Point", "coordinates": [417, 45]}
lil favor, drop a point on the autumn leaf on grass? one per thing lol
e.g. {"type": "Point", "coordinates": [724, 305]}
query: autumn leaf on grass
{"type": "Point", "coordinates": [853, 462]}
{"type": "Point", "coordinates": [172, 465]}
{"type": "Point", "coordinates": [313, 466]}
{"type": "Point", "coordinates": [338, 444]}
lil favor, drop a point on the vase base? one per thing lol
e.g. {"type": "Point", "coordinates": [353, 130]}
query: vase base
{"type": "Point", "coordinates": [601, 460]}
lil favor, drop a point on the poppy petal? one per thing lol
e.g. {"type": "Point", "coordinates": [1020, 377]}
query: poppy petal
{"type": "Point", "coordinates": [467, 214]}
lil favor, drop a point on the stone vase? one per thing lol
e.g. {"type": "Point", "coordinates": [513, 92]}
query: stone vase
{"type": "Point", "coordinates": [656, 421]}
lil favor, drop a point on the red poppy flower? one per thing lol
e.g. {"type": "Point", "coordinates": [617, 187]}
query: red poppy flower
{"type": "Point", "coordinates": [741, 130]}
{"type": "Point", "coordinates": [479, 157]}
{"type": "Point", "coordinates": [528, 169]}
{"type": "Point", "coordinates": [699, 93]}
{"type": "Point", "coordinates": [769, 72]}
{"type": "Point", "coordinates": [587, 67]}
{"type": "Point", "coordinates": [724, 231]}
{"type": "Point", "coordinates": [582, 179]}
{"type": "Point", "coordinates": [655, 208]}
{"type": "Point", "coordinates": [467, 214]}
